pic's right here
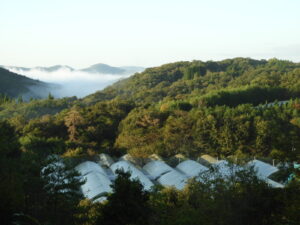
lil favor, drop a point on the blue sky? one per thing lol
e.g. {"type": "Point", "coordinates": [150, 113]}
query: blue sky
{"type": "Point", "coordinates": [146, 33]}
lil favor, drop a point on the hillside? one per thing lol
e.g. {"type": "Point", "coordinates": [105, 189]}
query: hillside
{"type": "Point", "coordinates": [269, 80]}
{"type": "Point", "coordinates": [51, 69]}
{"type": "Point", "coordinates": [190, 108]}
{"type": "Point", "coordinates": [14, 85]}
{"type": "Point", "coordinates": [229, 110]}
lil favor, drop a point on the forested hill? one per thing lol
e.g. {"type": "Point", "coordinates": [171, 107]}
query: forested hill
{"type": "Point", "coordinates": [228, 82]}
{"type": "Point", "coordinates": [183, 109]}
{"type": "Point", "coordinates": [14, 85]}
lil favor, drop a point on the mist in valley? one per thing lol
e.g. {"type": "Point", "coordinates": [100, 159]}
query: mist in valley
{"type": "Point", "coordinates": [66, 82]}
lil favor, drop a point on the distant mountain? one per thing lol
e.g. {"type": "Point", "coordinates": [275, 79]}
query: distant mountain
{"type": "Point", "coordinates": [15, 85]}
{"type": "Point", "coordinates": [54, 68]}
{"type": "Point", "coordinates": [99, 68]}
{"type": "Point", "coordinates": [38, 68]}
{"type": "Point", "coordinates": [106, 69]}
{"type": "Point", "coordinates": [15, 68]}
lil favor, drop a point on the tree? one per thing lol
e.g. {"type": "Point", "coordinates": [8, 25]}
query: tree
{"type": "Point", "coordinates": [128, 204]}
{"type": "Point", "coordinates": [50, 96]}
{"type": "Point", "coordinates": [11, 193]}
{"type": "Point", "coordinates": [177, 134]}
{"type": "Point", "coordinates": [73, 121]}
{"type": "Point", "coordinates": [140, 132]}
{"type": "Point", "coordinates": [62, 186]}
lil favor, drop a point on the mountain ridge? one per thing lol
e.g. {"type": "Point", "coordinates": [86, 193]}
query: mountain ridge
{"type": "Point", "coordinates": [99, 68]}
{"type": "Point", "coordinates": [15, 85]}
{"type": "Point", "coordinates": [192, 79]}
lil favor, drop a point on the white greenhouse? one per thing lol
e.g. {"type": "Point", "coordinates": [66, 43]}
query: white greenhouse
{"type": "Point", "coordinates": [157, 168]}
{"type": "Point", "coordinates": [191, 168]}
{"type": "Point", "coordinates": [273, 183]}
{"type": "Point", "coordinates": [173, 178]}
{"type": "Point", "coordinates": [226, 169]}
{"type": "Point", "coordinates": [263, 169]}
{"type": "Point", "coordinates": [96, 186]}
{"type": "Point", "coordinates": [89, 166]}
{"type": "Point", "coordinates": [135, 173]}
{"type": "Point", "coordinates": [97, 182]}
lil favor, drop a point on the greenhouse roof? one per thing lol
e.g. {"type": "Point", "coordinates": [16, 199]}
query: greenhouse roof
{"type": "Point", "coordinates": [89, 166]}
{"type": "Point", "coordinates": [263, 169]}
{"type": "Point", "coordinates": [227, 169]}
{"type": "Point", "coordinates": [191, 168]}
{"type": "Point", "coordinates": [173, 178]}
{"type": "Point", "coordinates": [96, 184]}
{"type": "Point", "coordinates": [135, 173]}
{"type": "Point", "coordinates": [156, 168]}
{"type": "Point", "coordinates": [274, 183]}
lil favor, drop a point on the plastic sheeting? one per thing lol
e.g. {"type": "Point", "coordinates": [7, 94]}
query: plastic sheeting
{"type": "Point", "coordinates": [226, 169]}
{"type": "Point", "coordinates": [173, 178]}
{"type": "Point", "coordinates": [89, 166]}
{"type": "Point", "coordinates": [97, 182]}
{"type": "Point", "coordinates": [157, 168]}
{"type": "Point", "coordinates": [165, 175]}
{"type": "Point", "coordinates": [135, 173]}
{"type": "Point", "coordinates": [191, 168]}
{"type": "Point", "coordinates": [274, 183]}
{"type": "Point", "coordinates": [263, 169]}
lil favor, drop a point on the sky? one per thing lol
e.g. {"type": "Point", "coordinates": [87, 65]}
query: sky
{"type": "Point", "coordinates": [80, 33]}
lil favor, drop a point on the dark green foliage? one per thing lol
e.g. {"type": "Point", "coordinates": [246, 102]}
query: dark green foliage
{"type": "Point", "coordinates": [50, 97]}
{"type": "Point", "coordinates": [51, 186]}
{"type": "Point", "coordinates": [157, 125]}
{"type": "Point", "coordinates": [141, 132]}
{"type": "Point", "coordinates": [34, 108]}
{"type": "Point", "coordinates": [221, 131]}
{"type": "Point", "coordinates": [4, 99]}
{"type": "Point", "coordinates": [11, 191]}
{"type": "Point", "coordinates": [252, 95]}
{"type": "Point", "coordinates": [15, 85]}
{"type": "Point", "coordinates": [102, 122]}
{"type": "Point", "coordinates": [95, 128]}
{"type": "Point", "coordinates": [241, 199]}
{"type": "Point", "coordinates": [61, 184]}
{"type": "Point", "coordinates": [185, 79]}
{"type": "Point", "coordinates": [127, 205]}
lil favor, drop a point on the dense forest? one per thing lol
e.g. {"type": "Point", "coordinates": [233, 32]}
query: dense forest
{"type": "Point", "coordinates": [241, 108]}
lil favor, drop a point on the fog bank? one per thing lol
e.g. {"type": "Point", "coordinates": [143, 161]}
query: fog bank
{"type": "Point", "coordinates": [71, 82]}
